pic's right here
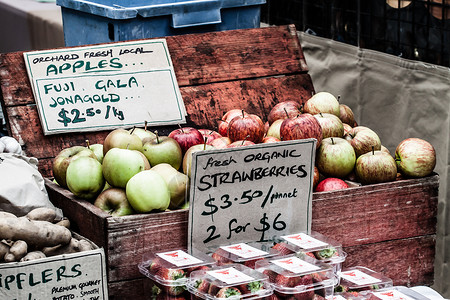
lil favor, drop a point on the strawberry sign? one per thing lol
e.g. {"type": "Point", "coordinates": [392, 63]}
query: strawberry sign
{"type": "Point", "coordinates": [250, 194]}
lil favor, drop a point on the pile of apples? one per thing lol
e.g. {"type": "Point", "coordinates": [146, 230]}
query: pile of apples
{"type": "Point", "coordinates": [139, 171]}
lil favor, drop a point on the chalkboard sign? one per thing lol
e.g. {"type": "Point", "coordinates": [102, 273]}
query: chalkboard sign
{"type": "Point", "coordinates": [71, 276]}
{"type": "Point", "coordinates": [254, 193]}
{"type": "Point", "coordinates": [105, 86]}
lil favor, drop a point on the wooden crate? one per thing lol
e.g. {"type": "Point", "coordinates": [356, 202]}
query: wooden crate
{"type": "Point", "coordinates": [389, 227]}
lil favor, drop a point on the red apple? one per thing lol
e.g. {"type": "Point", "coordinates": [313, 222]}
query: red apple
{"type": "Point", "coordinates": [316, 177]}
{"type": "Point", "coordinates": [270, 139]}
{"type": "Point", "coordinates": [331, 184]}
{"type": "Point", "coordinates": [363, 139]}
{"type": "Point", "coordinates": [229, 115]}
{"type": "Point", "coordinates": [303, 126]}
{"type": "Point", "coordinates": [222, 127]}
{"type": "Point", "coordinates": [415, 157]}
{"type": "Point", "coordinates": [347, 128]}
{"type": "Point", "coordinates": [221, 143]}
{"type": "Point", "coordinates": [241, 143]}
{"type": "Point", "coordinates": [346, 115]}
{"type": "Point", "coordinates": [284, 110]}
{"type": "Point", "coordinates": [246, 126]}
{"type": "Point", "coordinates": [187, 137]}
{"type": "Point", "coordinates": [331, 125]}
{"type": "Point", "coordinates": [375, 167]}
{"type": "Point", "coordinates": [209, 135]}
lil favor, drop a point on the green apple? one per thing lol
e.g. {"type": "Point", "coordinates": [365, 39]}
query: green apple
{"type": "Point", "coordinates": [142, 133]}
{"type": "Point", "coordinates": [121, 138]}
{"type": "Point", "coordinates": [119, 165]}
{"type": "Point", "coordinates": [114, 201]}
{"type": "Point", "coordinates": [163, 149]}
{"type": "Point", "coordinates": [98, 150]}
{"type": "Point", "coordinates": [176, 182]}
{"type": "Point", "coordinates": [64, 158]}
{"type": "Point", "coordinates": [187, 159]}
{"type": "Point", "coordinates": [147, 191]}
{"type": "Point", "coordinates": [84, 177]}
{"type": "Point", "coordinates": [274, 129]}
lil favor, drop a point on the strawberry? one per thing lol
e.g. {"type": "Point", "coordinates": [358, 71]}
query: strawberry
{"type": "Point", "coordinates": [196, 268]}
{"type": "Point", "coordinates": [172, 275]}
{"type": "Point", "coordinates": [155, 266]}
{"type": "Point", "coordinates": [341, 289]}
{"type": "Point", "coordinates": [201, 285]}
{"type": "Point", "coordinates": [285, 281]}
{"type": "Point", "coordinates": [251, 287]}
{"type": "Point", "coordinates": [318, 297]}
{"type": "Point", "coordinates": [227, 292]}
{"type": "Point", "coordinates": [282, 248]}
{"type": "Point", "coordinates": [316, 277]}
{"type": "Point", "coordinates": [310, 254]}
{"type": "Point", "coordinates": [274, 297]}
{"type": "Point", "coordinates": [325, 253]}
{"type": "Point", "coordinates": [213, 289]}
{"type": "Point", "coordinates": [271, 274]}
{"type": "Point", "coordinates": [220, 260]}
{"type": "Point", "coordinates": [251, 263]}
{"type": "Point", "coordinates": [306, 281]}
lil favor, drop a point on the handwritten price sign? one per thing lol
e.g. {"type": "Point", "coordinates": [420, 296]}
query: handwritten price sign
{"type": "Point", "coordinates": [105, 86]}
{"type": "Point", "coordinates": [250, 194]}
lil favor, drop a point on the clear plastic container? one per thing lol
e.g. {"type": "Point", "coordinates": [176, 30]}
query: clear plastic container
{"type": "Point", "coordinates": [357, 279]}
{"type": "Point", "coordinates": [169, 271]}
{"type": "Point", "coordinates": [243, 253]}
{"type": "Point", "coordinates": [235, 281]}
{"type": "Point", "coordinates": [315, 245]}
{"type": "Point", "coordinates": [303, 279]}
{"type": "Point", "coordinates": [395, 293]}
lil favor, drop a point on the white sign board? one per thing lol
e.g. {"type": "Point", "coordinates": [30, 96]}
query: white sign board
{"type": "Point", "coordinates": [71, 276]}
{"type": "Point", "coordinates": [105, 86]}
{"type": "Point", "coordinates": [250, 194]}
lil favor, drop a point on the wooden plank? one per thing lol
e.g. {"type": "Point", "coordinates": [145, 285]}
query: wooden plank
{"type": "Point", "coordinates": [408, 262]}
{"type": "Point", "coordinates": [197, 59]}
{"type": "Point", "coordinates": [378, 212]}
{"type": "Point", "coordinates": [203, 104]}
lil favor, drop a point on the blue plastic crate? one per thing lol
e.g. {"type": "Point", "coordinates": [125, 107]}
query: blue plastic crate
{"type": "Point", "coordinates": [104, 21]}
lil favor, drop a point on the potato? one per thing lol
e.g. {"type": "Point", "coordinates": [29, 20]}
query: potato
{"type": "Point", "coordinates": [42, 214]}
{"type": "Point", "coordinates": [4, 248]}
{"type": "Point", "coordinates": [5, 214]}
{"type": "Point", "coordinates": [18, 250]}
{"type": "Point", "coordinates": [36, 233]}
{"type": "Point", "coordinates": [33, 255]}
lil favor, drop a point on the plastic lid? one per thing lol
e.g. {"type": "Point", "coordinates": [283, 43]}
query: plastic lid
{"type": "Point", "coordinates": [397, 293]}
{"type": "Point", "coordinates": [172, 268]}
{"type": "Point", "coordinates": [291, 275]}
{"type": "Point", "coordinates": [361, 278]}
{"type": "Point", "coordinates": [322, 246]}
{"type": "Point", "coordinates": [233, 280]}
{"type": "Point", "coordinates": [243, 253]}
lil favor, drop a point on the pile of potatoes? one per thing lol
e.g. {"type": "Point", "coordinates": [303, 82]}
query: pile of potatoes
{"type": "Point", "coordinates": [39, 234]}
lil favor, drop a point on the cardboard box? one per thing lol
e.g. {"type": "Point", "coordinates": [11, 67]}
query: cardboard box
{"type": "Point", "coordinates": [389, 227]}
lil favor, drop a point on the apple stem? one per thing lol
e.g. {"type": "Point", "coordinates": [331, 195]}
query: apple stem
{"type": "Point", "coordinates": [205, 139]}
{"type": "Point", "coordinates": [157, 136]}
{"type": "Point", "coordinates": [243, 114]}
{"type": "Point", "coordinates": [87, 144]}
{"type": "Point", "coordinates": [332, 141]}
{"type": "Point", "coordinates": [181, 128]}
{"type": "Point", "coordinates": [131, 132]}
{"type": "Point", "coordinates": [321, 114]}
{"type": "Point", "coordinates": [285, 110]}
{"type": "Point", "coordinates": [373, 150]}
{"type": "Point", "coordinates": [128, 145]}
{"type": "Point", "coordinates": [243, 141]}
{"type": "Point", "coordinates": [339, 98]}
{"type": "Point", "coordinates": [145, 125]}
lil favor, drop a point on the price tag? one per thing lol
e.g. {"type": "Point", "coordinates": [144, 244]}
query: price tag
{"type": "Point", "coordinates": [391, 295]}
{"type": "Point", "coordinates": [295, 265]}
{"type": "Point", "coordinates": [250, 194]}
{"type": "Point", "coordinates": [304, 241]}
{"type": "Point", "coordinates": [230, 275]}
{"type": "Point", "coordinates": [179, 258]}
{"type": "Point", "coordinates": [105, 86]}
{"type": "Point", "coordinates": [244, 251]}
{"type": "Point", "coordinates": [358, 277]}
